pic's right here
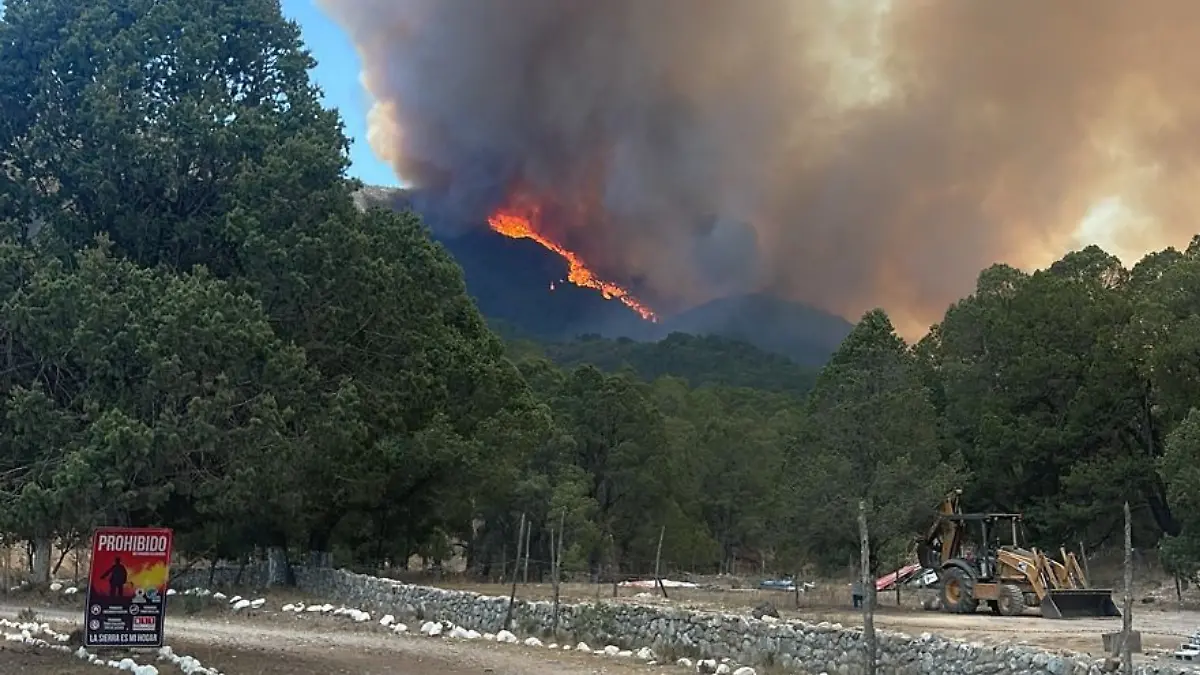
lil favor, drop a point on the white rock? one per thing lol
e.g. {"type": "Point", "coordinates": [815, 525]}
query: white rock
{"type": "Point", "coordinates": [612, 650]}
{"type": "Point", "coordinates": [582, 647]}
{"type": "Point", "coordinates": [507, 637]}
{"type": "Point", "coordinates": [745, 670]}
{"type": "Point", "coordinates": [532, 642]}
{"type": "Point", "coordinates": [387, 620]}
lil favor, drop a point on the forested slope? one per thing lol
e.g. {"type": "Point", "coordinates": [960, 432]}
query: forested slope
{"type": "Point", "coordinates": [700, 360]}
{"type": "Point", "coordinates": [202, 331]}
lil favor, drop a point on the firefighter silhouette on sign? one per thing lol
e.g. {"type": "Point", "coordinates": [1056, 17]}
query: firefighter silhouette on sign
{"type": "Point", "coordinates": [116, 576]}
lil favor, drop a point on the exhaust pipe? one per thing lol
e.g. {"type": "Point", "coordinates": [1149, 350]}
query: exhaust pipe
{"type": "Point", "coordinates": [1078, 603]}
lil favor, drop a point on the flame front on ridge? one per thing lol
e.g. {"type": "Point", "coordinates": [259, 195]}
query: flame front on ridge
{"type": "Point", "coordinates": [521, 223]}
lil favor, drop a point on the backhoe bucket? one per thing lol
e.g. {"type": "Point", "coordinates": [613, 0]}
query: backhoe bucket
{"type": "Point", "coordinates": [1077, 603]}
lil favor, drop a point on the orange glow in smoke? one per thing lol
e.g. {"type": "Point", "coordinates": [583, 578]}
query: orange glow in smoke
{"type": "Point", "coordinates": [521, 223]}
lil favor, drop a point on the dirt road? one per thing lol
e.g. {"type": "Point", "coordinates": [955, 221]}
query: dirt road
{"type": "Point", "coordinates": [255, 647]}
{"type": "Point", "coordinates": [1160, 630]}
{"type": "Point", "coordinates": [289, 643]}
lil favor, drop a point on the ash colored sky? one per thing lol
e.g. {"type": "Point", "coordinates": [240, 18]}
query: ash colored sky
{"type": "Point", "coordinates": [846, 154]}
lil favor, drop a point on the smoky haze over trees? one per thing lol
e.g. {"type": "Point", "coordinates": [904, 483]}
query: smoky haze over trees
{"type": "Point", "coordinates": [205, 333]}
{"type": "Point", "coordinates": [848, 154]}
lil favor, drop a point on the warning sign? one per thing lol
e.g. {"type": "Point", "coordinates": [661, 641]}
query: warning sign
{"type": "Point", "coordinates": [127, 587]}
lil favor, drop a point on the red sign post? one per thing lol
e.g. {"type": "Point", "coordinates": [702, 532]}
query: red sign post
{"type": "Point", "coordinates": [127, 587]}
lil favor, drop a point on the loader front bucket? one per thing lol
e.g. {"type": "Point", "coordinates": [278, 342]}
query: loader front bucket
{"type": "Point", "coordinates": [1077, 603]}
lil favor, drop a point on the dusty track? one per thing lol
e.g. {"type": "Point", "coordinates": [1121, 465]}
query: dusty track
{"type": "Point", "coordinates": [1161, 630]}
{"type": "Point", "coordinates": [273, 644]}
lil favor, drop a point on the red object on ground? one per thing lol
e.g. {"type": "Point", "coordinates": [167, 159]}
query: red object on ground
{"type": "Point", "coordinates": [898, 577]}
{"type": "Point", "coordinates": [127, 587]}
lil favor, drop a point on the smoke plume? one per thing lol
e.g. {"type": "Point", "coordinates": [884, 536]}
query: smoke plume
{"type": "Point", "coordinates": [845, 153]}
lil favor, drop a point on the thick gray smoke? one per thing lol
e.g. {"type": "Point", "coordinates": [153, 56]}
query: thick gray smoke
{"type": "Point", "coordinates": [845, 153]}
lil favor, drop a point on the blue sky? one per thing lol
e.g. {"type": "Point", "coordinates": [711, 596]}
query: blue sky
{"type": "Point", "coordinates": [337, 73]}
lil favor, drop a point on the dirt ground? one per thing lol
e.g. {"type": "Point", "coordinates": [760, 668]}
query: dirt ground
{"type": "Point", "coordinates": [274, 644]}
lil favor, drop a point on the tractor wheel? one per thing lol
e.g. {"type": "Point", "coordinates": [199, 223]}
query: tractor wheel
{"type": "Point", "coordinates": [958, 592]}
{"type": "Point", "coordinates": [1011, 601]}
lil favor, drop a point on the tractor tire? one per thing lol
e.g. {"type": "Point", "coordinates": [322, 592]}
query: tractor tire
{"type": "Point", "coordinates": [958, 592]}
{"type": "Point", "coordinates": [1011, 601]}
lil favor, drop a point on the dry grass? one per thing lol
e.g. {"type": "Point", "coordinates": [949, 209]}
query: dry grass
{"type": "Point", "coordinates": [1152, 589]}
{"type": "Point", "coordinates": [830, 595]}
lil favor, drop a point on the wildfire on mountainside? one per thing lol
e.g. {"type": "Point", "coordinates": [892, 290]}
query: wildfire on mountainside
{"type": "Point", "coordinates": [520, 220]}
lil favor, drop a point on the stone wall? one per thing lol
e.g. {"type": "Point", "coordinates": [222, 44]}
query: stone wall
{"type": "Point", "coordinates": [251, 576]}
{"type": "Point", "coordinates": [793, 646]}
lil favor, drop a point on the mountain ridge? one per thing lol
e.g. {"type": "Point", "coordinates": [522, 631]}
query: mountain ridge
{"type": "Point", "coordinates": [514, 284]}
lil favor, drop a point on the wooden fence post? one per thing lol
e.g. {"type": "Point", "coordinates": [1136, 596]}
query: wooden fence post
{"type": "Point", "coordinates": [1127, 618]}
{"type": "Point", "coordinates": [868, 590]}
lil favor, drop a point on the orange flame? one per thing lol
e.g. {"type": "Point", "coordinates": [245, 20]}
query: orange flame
{"type": "Point", "coordinates": [519, 224]}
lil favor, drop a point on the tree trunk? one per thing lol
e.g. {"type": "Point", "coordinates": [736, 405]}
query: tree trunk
{"type": "Point", "coordinates": [277, 566]}
{"type": "Point", "coordinates": [41, 560]}
{"type": "Point", "coordinates": [62, 556]}
{"type": "Point", "coordinates": [319, 549]}
{"type": "Point", "coordinates": [1156, 499]}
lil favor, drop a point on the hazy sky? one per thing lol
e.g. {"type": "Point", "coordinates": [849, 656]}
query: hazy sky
{"type": "Point", "coordinates": [818, 149]}
{"type": "Point", "coordinates": [821, 150]}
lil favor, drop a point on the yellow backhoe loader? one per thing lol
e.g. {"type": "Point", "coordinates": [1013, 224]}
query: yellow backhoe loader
{"type": "Point", "coordinates": [973, 567]}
